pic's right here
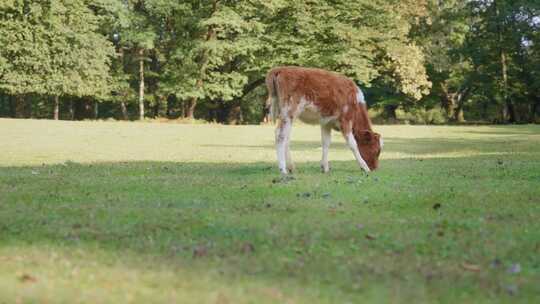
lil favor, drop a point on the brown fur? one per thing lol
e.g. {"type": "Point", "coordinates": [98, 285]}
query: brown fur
{"type": "Point", "coordinates": [330, 93]}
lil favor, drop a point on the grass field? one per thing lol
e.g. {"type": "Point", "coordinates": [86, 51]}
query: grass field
{"type": "Point", "coordinates": [105, 212]}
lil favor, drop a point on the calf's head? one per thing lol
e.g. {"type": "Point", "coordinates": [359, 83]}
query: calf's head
{"type": "Point", "coordinates": [370, 146]}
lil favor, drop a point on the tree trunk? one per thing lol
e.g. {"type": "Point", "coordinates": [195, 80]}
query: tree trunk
{"type": "Point", "coordinates": [12, 107]}
{"type": "Point", "coordinates": [508, 111]}
{"type": "Point", "coordinates": [210, 35]}
{"type": "Point", "coordinates": [124, 110]}
{"type": "Point", "coordinates": [265, 115]}
{"type": "Point", "coordinates": [183, 109]}
{"type": "Point", "coordinates": [535, 107]}
{"type": "Point", "coordinates": [449, 105]}
{"type": "Point", "coordinates": [458, 114]}
{"type": "Point", "coordinates": [458, 101]}
{"type": "Point", "coordinates": [448, 102]}
{"type": "Point", "coordinates": [235, 116]}
{"type": "Point", "coordinates": [156, 110]}
{"type": "Point", "coordinates": [28, 108]}
{"type": "Point", "coordinates": [84, 109]}
{"type": "Point", "coordinates": [191, 108]}
{"type": "Point", "coordinates": [165, 108]}
{"type": "Point", "coordinates": [537, 111]}
{"type": "Point", "coordinates": [96, 109]}
{"type": "Point", "coordinates": [71, 110]}
{"type": "Point", "coordinates": [511, 110]}
{"type": "Point", "coordinates": [450, 108]}
{"type": "Point", "coordinates": [390, 111]}
{"type": "Point", "coordinates": [141, 84]}
{"type": "Point", "coordinates": [169, 106]}
{"type": "Point", "coordinates": [19, 106]}
{"type": "Point", "coordinates": [56, 107]}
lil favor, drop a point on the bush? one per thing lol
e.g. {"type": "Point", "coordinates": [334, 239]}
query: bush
{"type": "Point", "coordinates": [423, 116]}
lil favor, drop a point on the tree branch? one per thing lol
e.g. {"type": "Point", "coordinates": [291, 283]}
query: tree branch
{"type": "Point", "coordinates": [251, 86]}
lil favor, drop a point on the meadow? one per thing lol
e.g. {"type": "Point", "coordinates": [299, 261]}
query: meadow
{"type": "Point", "coordinates": [119, 212]}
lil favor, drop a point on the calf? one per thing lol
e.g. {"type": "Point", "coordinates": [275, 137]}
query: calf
{"type": "Point", "coordinates": [317, 96]}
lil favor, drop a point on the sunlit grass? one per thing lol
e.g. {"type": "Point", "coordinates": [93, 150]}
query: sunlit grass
{"type": "Point", "coordinates": [34, 142]}
{"type": "Point", "coordinates": [104, 212]}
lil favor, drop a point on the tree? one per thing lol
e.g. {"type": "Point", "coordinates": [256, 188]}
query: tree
{"type": "Point", "coordinates": [501, 43]}
{"type": "Point", "coordinates": [215, 54]}
{"type": "Point", "coordinates": [53, 48]}
{"type": "Point", "coordinates": [443, 33]}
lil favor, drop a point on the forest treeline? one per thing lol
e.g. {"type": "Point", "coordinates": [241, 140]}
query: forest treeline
{"type": "Point", "coordinates": [425, 61]}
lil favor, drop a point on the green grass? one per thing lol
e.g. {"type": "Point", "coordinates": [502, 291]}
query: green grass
{"type": "Point", "coordinates": [99, 212]}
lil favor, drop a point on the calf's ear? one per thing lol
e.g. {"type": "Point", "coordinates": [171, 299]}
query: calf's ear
{"type": "Point", "coordinates": [378, 138]}
{"type": "Point", "coordinates": [366, 136]}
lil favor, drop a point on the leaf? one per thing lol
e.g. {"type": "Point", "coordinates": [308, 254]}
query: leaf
{"type": "Point", "coordinates": [26, 278]}
{"type": "Point", "coordinates": [303, 195]}
{"type": "Point", "coordinates": [515, 268]}
{"type": "Point", "coordinates": [371, 237]}
{"type": "Point", "coordinates": [496, 263]}
{"type": "Point", "coordinates": [511, 289]}
{"type": "Point", "coordinates": [222, 299]}
{"type": "Point", "coordinates": [283, 179]}
{"type": "Point", "coordinates": [200, 251]}
{"type": "Point", "coordinates": [248, 248]}
{"type": "Point", "coordinates": [470, 267]}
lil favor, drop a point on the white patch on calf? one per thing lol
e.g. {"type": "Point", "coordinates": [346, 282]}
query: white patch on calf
{"type": "Point", "coordinates": [327, 120]}
{"type": "Point", "coordinates": [308, 112]}
{"type": "Point", "coordinates": [351, 141]}
{"type": "Point", "coordinates": [360, 96]}
{"type": "Point", "coordinates": [283, 132]}
{"type": "Point", "coordinates": [301, 106]}
{"type": "Point", "coordinates": [284, 112]}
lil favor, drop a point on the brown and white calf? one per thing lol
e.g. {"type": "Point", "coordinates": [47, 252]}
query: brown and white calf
{"type": "Point", "coordinates": [321, 97]}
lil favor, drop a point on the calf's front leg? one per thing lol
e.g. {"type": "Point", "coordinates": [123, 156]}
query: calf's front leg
{"type": "Point", "coordinates": [351, 142]}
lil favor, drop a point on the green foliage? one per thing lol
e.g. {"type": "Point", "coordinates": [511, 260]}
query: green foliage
{"type": "Point", "coordinates": [422, 116]}
{"type": "Point", "coordinates": [53, 48]}
{"type": "Point", "coordinates": [466, 43]}
{"type": "Point", "coordinates": [211, 56]}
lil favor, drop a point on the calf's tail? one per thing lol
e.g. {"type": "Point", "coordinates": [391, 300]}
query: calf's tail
{"type": "Point", "coordinates": [272, 103]}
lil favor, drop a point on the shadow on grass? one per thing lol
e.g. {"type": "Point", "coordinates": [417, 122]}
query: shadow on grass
{"type": "Point", "coordinates": [505, 130]}
{"type": "Point", "coordinates": [236, 218]}
{"type": "Point", "coordinates": [200, 185]}
{"type": "Point", "coordinates": [419, 146]}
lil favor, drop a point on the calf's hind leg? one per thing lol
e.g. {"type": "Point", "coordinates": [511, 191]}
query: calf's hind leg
{"type": "Point", "coordinates": [326, 137]}
{"type": "Point", "coordinates": [283, 131]}
{"type": "Point", "coordinates": [290, 165]}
